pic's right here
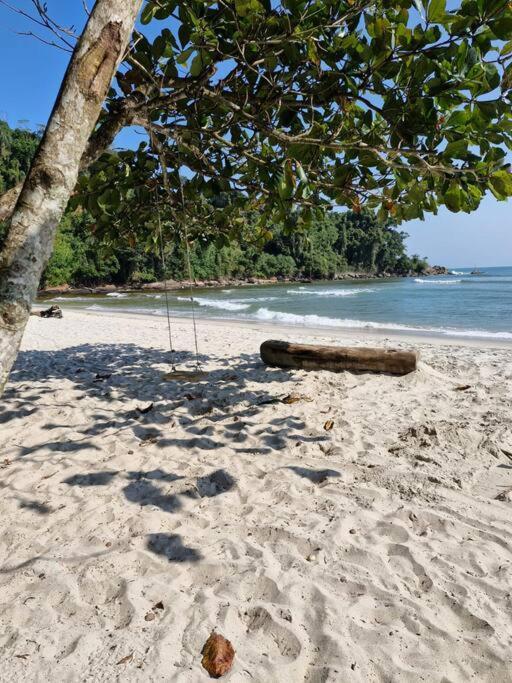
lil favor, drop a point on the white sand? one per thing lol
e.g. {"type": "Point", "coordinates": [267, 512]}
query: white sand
{"type": "Point", "coordinates": [373, 552]}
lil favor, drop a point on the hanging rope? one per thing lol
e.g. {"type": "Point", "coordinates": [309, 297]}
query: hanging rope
{"type": "Point", "coordinates": [310, 244]}
{"type": "Point", "coordinates": [163, 165]}
{"type": "Point", "coordinates": [189, 268]}
{"type": "Point", "coordinates": [191, 294]}
{"type": "Point", "coordinates": [166, 289]}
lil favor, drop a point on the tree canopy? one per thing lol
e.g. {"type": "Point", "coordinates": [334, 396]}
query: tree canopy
{"type": "Point", "coordinates": [284, 107]}
{"type": "Point", "coordinates": [332, 245]}
{"type": "Point", "coordinates": [397, 106]}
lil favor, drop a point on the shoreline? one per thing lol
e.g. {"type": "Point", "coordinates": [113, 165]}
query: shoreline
{"type": "Point", "coordinates": [179, 285]}
{"type": "Point", "coordinates": [335, 333]}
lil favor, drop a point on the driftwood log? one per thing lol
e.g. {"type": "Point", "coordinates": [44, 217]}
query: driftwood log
{"type": "Point", "coordinates": [52, 312]}
{"type": "Point", "coordinates": [338, 358]}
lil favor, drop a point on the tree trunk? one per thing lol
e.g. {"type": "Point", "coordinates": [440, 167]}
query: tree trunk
{"type": "Point", "coordinates": [53, 174]}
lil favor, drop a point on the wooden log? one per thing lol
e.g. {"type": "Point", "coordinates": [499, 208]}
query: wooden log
{"type": "Point", "coordinates": [52, 312]}
{"type": "Point", "coordinates": [338, 358]}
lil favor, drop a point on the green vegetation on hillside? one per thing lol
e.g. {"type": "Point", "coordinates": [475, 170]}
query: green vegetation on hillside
{"type": "Point", "coordinates": [337, 243]}
{"type": "Point", "coordinates": [17, 147]}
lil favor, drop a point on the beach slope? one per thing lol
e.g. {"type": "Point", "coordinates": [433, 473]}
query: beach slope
{"type": "Point", "coordinates": [358, 530]}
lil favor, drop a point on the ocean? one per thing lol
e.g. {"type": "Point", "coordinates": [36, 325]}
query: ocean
{"type": "Point", "coordinates": [455, 305]}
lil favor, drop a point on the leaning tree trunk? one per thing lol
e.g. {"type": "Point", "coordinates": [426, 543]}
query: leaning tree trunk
{"type": "Point", "coordinates": [53, 174]}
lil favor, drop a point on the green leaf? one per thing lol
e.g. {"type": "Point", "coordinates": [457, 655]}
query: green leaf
{"type": "Point", "coordinates": [245, 7]}
{"type": "Point", "coordinates": [285, 185]}
{"type": "Point", "coordinates": [182, 58]}
{"type": "Point", "coordinates": [502, 28]}
{"type": "Point", "coordinates": [197, 65]}
{"type": "Point", "coordinates": [506, 49]}
{"type": "Point", "coordinates": [489, 108]}
{"type": "Point", "coordinates": [456, 149]}
{"type": "Point", "coordinates": [501, 183]}
{"type": "Point", "coordinates": [458, 118]}
{"type": "Point", "coordinates": [184, 34]}
{"type": "Point", "coordinates": [436, 11]}
{"type": "Point", "coordinates": [300, 172]}
{"type": "Point", "coordinates": [453, 197]}
{"type": "Point", "coordinates": [148, 13]}
{"type": "Point", "coordinates": [313, 52]}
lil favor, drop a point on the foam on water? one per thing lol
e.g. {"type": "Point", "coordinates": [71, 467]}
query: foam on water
{"type": "Point", "coordinates": [70, 298]}
{"type": "Point", "coordinates": [117, 295]}
{"type": "Point", "coordinates": [322, 321]}
{"type": "Point", "coordinates": [475, 307]}
{"type": "Point", "coordinates": [258, 299]}
{"type": "Point", "coordinates": [220, 304]}
{"type": "Point", "coordinates": [331, 292]}
{"type": "Point", "coordinates": [436, 282]}
{"type": "Point", "coordinates": [312, 320]}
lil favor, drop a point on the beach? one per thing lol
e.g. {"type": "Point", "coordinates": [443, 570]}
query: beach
{"type": "Point", "coordinates": [138, 515]}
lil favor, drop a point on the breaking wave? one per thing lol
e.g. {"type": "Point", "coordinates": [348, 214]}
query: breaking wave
{"type": "Point", "coordinates": [331, 292]}
{"type": "Point", "coordinates": [70, 298]}
{"type": "Point", "coordinates": [217, 303]}
{"type": "Point", "coordinates": [267, 315]}
{"type": "Point", "coordinates": [436, 282]}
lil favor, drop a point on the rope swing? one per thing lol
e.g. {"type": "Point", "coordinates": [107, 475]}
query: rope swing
{"type": "Point", "coordinates": [175, 374]}
{"type": "Point", "coordinates": [166, 289]}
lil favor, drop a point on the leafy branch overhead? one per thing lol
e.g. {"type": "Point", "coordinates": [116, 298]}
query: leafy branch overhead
{"type": "Point", "coordinates": [399, 106]}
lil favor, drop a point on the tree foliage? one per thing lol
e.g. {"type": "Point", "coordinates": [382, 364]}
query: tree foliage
{"type": "Point", "coordinates": [84, 256]}
{"type": "Point", "coordinates": [397, 106]}
{"type": "Point", "coordinates": [17, 148]}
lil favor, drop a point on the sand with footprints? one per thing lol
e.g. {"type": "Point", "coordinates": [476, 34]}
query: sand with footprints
{"type": "Point", "coordinates": [137, 515]}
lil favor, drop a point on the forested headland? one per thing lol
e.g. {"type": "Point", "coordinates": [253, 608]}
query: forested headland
{"type": "Point", "coordinates": [336, 244]}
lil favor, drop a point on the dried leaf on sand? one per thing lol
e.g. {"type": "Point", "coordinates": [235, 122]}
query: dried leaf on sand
{"type": "Point", "coordinates": [295, 398]}
{"type": "Point", "coordinates": [218, 655]}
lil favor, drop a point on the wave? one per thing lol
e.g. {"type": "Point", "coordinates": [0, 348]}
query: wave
{"type": "Point", "coordinates": [117, 295]}
{"type": "Point", "coordinates": [71, 298]}
{"type": "Point", "coordinates": [218, 303]}
{"type": "Point", "coordinates": [258, 299]}
{"type": "Point", "coordinates": [312, 320]}
{"type": "Point", "coordinates": [436, 282]}
{"type": "Point", "coordinates": [481, 334]}
{"type": "Point", "coordinates": [331, 292]}
{"type": "Point", "coordinates": [458, 272]}
{"type": "Point", "coordinates": [267, 315]}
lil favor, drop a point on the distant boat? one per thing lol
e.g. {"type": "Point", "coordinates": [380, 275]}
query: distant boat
{"type": "Point", "coordinates": [476, 271]}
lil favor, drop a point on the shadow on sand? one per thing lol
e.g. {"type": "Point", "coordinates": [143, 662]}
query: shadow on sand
{"type": "Point", "coordinates": [129, 392]}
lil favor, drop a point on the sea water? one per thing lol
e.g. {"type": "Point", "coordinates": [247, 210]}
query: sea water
{"type": "Point", "coordinates": [458, 304]}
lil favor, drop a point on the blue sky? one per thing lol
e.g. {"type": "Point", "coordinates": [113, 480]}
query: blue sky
{"type": "Point", "coordinates": [30, 74]}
